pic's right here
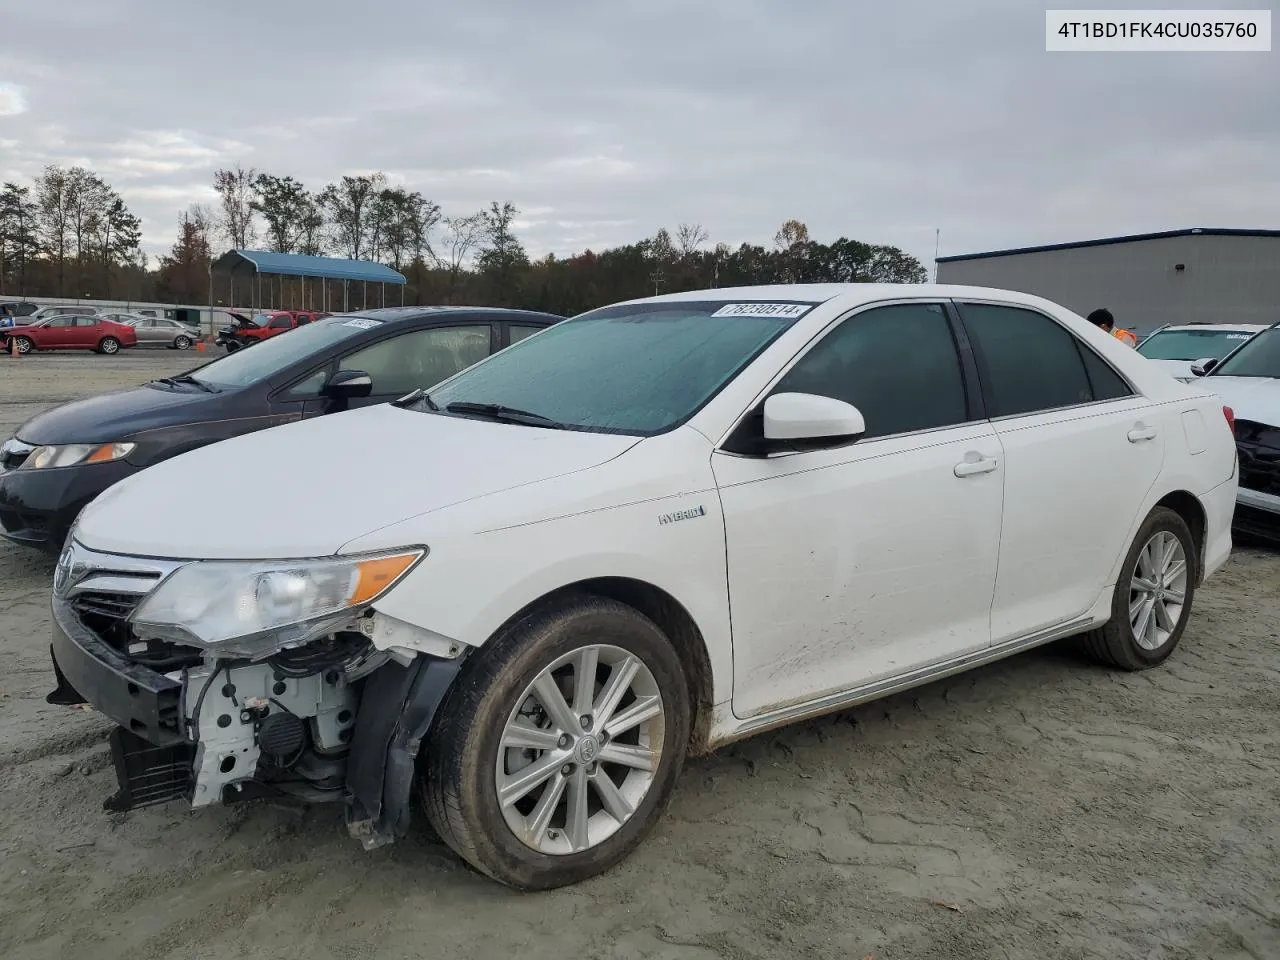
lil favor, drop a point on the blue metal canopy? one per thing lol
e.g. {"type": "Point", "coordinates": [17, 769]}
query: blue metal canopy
{"type": "Point", "coordinates": [296, 265]}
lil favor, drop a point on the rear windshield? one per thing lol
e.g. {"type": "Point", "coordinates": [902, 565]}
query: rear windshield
{"type": "Point", "coordinates": [638, 369]}
{"type": "Point", "coordinates": [1191, 344]}
{"type": "Point", "coordinates": [264, 360]}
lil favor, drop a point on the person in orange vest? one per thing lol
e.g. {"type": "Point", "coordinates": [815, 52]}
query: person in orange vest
{"type": "Point", "coordinates": [1103, 320]}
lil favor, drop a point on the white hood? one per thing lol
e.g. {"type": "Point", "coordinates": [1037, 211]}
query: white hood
{"type": "Point", "coordinates": [1250, 398]}
{"type": "Point", "coordinates": [305, 489]}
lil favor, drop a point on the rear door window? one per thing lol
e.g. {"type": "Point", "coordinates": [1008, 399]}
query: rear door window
{"type": "Point", "coordinates": [1029, 362]}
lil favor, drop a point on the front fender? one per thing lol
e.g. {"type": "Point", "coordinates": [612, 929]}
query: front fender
{"type": "Point", "coordinates": [469, 586]}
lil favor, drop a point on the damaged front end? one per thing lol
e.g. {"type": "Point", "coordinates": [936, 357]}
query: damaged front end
{"type": "Point", "coordinates": [329, 707]}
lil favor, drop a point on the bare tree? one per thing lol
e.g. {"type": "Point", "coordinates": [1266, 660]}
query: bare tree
{"type": "Point", "coordinates": [461, 236]}
{"type": "Point", "coordinates": [689, 239]}
{"type": "Point", "coordinates": [235, 201]}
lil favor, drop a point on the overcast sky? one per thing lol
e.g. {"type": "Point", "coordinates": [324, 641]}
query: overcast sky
{"type": "Point", "coordinates": [603, 121]}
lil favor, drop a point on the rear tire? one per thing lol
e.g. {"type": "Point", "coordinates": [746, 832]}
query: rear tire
{"type": "Point", "coordinates": [109, 346]}
{"type": "Point", "coordinates": [1147, 619]}
{"type": "Point", "coordinates": [584, 755]}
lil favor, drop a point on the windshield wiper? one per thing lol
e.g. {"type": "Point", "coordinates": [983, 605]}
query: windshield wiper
{"type": "Point", "coordinates": [185, 378]}
{"type": "Point", "coordinates": [497, 411]}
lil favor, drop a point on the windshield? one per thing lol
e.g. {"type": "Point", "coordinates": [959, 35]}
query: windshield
{"type": "Point", "coordinates": [1260, 357]}
{"type": "Point", "coordinates": [261, 320]}
{"type": "Point", "coordinates": [637, 369]}
{"type": "Point", "coordinates": [268, 358]}
{"type": "Point", "coordinates": [1191, 344]}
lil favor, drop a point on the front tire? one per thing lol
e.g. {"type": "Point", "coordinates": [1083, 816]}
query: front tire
{"type": "Point", "coordinates": [182, 342]}
{"type": "Point", "coordinates": [109, 346]}
{"type": "Point", "coordinates": [1153, 596]}
{"type": "Point", "coordinates": [23, 344]}
{"type": "Point", "coordinates": [559, 747]}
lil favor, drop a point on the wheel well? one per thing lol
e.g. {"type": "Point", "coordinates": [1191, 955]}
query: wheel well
{"type": "Point", "coordinates": [674, 621]}
{"type": "Point", "coordinates": [1187, 506]}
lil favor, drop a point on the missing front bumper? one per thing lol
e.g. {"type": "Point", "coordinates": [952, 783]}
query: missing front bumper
{"type": "Point", "coordinates": [147, 774]}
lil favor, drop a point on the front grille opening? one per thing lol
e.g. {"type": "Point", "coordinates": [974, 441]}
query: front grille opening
{"type": "Point", "coordinates": [106, 612]}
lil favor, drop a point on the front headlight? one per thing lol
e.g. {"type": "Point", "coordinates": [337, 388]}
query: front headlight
{"type": "Point", "coordinates": [68, 455]}
{"type": "Point", "coordinates": [212, 602]}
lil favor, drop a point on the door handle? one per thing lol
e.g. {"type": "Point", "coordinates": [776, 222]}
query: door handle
{"type": "Point", "coordinates": [971, 468]}
{"type": "Point", "coordinates": [1142, 432]}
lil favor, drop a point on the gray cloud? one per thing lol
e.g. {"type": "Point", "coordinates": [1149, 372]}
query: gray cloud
{"type": "Point", "coordinates": [605, 121]}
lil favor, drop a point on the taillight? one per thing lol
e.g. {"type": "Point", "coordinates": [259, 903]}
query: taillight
{"type": "Point", "coordinates": [1231, 418]}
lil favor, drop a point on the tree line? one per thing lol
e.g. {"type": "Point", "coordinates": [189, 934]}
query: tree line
{"type": "Point", "coordinates": [70, 234]}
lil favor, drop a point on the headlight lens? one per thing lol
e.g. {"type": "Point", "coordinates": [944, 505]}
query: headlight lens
{"type": "Point", "coordinates": [68, 455]}
{"type": "Point", "coordinates": [211, 602]}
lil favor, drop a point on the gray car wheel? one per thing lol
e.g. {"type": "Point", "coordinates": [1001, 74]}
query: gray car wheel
{"type": "Point", "coordinates": [182, 342]}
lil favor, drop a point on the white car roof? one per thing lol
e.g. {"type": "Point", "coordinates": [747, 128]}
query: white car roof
{"type": "Point", "coordinates": [849, 294]}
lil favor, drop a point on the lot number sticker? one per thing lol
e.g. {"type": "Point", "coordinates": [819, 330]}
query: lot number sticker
{"type": "Point", "coordinates": [787, 310]}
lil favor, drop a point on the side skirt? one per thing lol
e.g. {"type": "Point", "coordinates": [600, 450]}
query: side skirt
{"type": "Point", "coordinates": [845, 699]}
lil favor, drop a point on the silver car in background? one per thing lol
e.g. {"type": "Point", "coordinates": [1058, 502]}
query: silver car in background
{"type": "Point", "coordinates": [159, 331]}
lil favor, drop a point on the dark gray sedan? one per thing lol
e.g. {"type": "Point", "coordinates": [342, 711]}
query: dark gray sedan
{"type": "Point", "coordinates": [159, 331]}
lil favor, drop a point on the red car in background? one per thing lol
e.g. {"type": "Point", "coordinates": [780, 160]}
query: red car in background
{"type": "Point", "coordinates": [69, 332]}
{"type": "Point", "coordinates": [263, 326]}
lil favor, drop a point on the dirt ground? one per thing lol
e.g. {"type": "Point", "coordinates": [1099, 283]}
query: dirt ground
{"type": "Point", "coordinates": [1039, 808]}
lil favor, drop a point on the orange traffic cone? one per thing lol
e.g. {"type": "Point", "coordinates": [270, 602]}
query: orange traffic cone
{"type": "Point", "coordinates": [13, 347]}
{"type": "Point", "coordinates": [200, 346]}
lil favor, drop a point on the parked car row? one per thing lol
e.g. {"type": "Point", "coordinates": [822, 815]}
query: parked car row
{"type": "Point", "coordinates": [567, 554]}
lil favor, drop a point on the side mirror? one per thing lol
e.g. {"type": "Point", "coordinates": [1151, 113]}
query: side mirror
{"type": "Point", "coordinates": [1201, 367]}
{"type": "Point", "coordinates": [348, 384]}
{"type": "Point", "coordinates": [810, 417]}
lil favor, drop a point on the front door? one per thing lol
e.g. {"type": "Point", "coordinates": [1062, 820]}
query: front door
{"type": "Point", "coordinates": [57, 334]}
{"type": "Point", "coordinates": [854, 564]}
{"type": "Point", "coordinates": [398, 365]}
{"type": "Point", "coordinates": [1075, 435]}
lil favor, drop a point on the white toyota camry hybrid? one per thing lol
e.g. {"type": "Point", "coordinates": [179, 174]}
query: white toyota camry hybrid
{"type": "Point", "coordinates": [528, 594]}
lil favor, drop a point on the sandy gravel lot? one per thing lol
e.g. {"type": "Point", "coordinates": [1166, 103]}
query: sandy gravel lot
{"type": "Point", "coordinates": [1040, 808]}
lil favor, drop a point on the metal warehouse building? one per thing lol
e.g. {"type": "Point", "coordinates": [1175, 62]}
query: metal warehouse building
{"type": "Point", "coordinates": [1200, 275]}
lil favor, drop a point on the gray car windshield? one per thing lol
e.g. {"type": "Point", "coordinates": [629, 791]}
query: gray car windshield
{"type": "Point", "coordinates": [638, 369]}
{"type": "Point", "coordinates": [263, 360]}
{"type": "Point", "coordinates": [1191, 344]}
{"type": "Point", "coordinates": [1260, 357]}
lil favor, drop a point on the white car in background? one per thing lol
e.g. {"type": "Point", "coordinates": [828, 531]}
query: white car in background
{"type": "Point", "coordinates": [1178, 348]}
{"type": "Point", "coordinates": [652, 529]}
{"type": "Point", "coordinates": [1248, 381]}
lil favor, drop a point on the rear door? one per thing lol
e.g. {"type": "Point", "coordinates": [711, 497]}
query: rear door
{"type": "Point", "coordinates": [86, 332]}
{"type": "Point", "coordinates": [1082, 450]}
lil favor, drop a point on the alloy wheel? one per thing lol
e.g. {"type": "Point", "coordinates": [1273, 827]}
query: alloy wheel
{"type": "Point", "coordinates": [1158, 590]}
{"type": "Point", "coordinates": [580, 750]}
